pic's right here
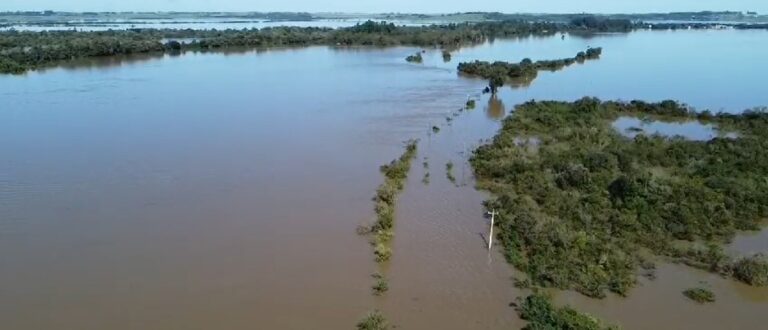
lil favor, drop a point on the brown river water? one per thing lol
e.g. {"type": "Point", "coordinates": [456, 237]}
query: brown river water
{"type": "Point", "coordinates": [223, 190]}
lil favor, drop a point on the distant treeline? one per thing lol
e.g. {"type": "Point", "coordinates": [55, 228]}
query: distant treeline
{"type": "Point", "coordinates": [525, 71]}
{"type": "Point", "coordinates": [703, 26]}
{"type": "Point", "coordinates": [22, 51]}
{"type": "Point", "coordinates": [59, 16]}
{"type": "Point", "coordinates": [701, 16]}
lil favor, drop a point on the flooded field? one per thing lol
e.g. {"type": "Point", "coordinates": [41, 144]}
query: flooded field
{"type": "Point", "coordinates": [690, 130]}
{"type": "Point", "coordinates": [223, 189]}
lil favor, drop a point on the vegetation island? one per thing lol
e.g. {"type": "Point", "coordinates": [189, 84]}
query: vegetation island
{"type": "Point", "coordinates": [580, 206]}
{"type": "Point", "coordinates": [524, 72]}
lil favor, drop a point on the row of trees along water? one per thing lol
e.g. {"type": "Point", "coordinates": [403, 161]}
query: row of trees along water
{"type": "Point", "coordinates": [525, 71]}
{"type": "Point", "coordinates": [22, 51]}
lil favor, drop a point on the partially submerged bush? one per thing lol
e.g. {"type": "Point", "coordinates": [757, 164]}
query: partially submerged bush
{"type": "Point", "coordinates": [373, 321]}
{"type": "Point", "coordinates": [363, 229]}
{"type": "Point", "coordinates": [700, 295]}
{"type": "Point", "coordinates": [380, 287]}
{"type": "Point", "coordinates": [446, 56]}
{"type": "Point", "coordinates": [538, 310]}
{"type": "Point", "coordinates": [382, 252]}
{"type": "Point", "coordinates": [752, 270]}
{"type": "Point", "coordinates": [415, 58]}
{"type": "Point", "coordinates": [449, 172]}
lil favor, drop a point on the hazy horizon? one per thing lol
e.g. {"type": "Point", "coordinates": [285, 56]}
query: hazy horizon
{"type": "Point", "coordinates": [391, 6]}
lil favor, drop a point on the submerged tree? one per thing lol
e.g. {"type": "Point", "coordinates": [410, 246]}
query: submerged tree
{"type": "Point", "coordinates": [495, 82]}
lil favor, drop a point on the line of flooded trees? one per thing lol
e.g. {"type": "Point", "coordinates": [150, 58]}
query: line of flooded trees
{"type": "Point", "coordinates": [22, 51]}
{"type": "Point", "coordinates": [526, 70]}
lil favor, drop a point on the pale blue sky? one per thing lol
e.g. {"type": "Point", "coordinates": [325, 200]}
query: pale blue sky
{"type": "Point", "coordinates": [375, 6]}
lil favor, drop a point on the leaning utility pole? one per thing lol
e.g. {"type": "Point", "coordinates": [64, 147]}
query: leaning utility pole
{"type": "Point", "coordinates": [490, 236]}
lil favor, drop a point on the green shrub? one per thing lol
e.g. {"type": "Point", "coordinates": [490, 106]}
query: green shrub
{"type": "Point", "coordinates": [382, 252]}
{"type": "Point", "coordinates": [752, 270]}
{"type": "Point", "coordinates": [700, 295]}
{"type": "Point", "coordinates": [380, 287]}
{"type": "Point", "coordinates": [415, 58]}
{"type": "Point", "coordinates": [373, 321]}
{"type": "Point", "coordinates": [538, 310]}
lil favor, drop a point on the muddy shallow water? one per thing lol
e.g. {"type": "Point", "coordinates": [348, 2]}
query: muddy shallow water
{"type": "Point", "coordinates": [223, 190]}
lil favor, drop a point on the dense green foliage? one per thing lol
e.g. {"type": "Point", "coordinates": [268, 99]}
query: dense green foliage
{"type": "Point", "coordinates": [601, 24]}
{"type": "Point", "coordinates": [395, 174]}
{"type": "Point", "coordinates": [373, 321]}
{"type": "Point", "coordinates": [580, 205]}
{"type": "Point", "coordinates": [700, 295]}
{"type": "Point", "coordinates": [538, 310]}
{"type": "Point", "coordinates": [30, 50]}
{"type": "Point", "coordinates": [524, 72]}
{"type": "Point", "coordinates": [752, 270]}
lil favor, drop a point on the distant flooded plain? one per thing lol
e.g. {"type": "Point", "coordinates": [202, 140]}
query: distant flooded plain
{"type": "Point", "coordinates": [222, 190]}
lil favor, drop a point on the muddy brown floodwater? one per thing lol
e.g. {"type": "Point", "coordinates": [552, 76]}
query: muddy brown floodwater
{"type": "Point", "coordinates": [223, 190]}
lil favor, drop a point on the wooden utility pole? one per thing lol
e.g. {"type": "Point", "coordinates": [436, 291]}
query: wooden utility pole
{"type": "Point", "coordinates": [490, 235]}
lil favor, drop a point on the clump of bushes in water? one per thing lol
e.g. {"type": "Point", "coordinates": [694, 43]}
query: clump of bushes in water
{"type": "Point", "coordinates": [752, 270]}
{"type": "Point", "coordinates": [415, 58]}
{"type": "Point", "coordinates": [525, 71]}
{"type": "Point", "coordinates": [449, 172]}
{"type": "Point", "coordinates": [582, 209]}
{"type": "Point", "coordinates": [381, 286]}
{"type": "Point", "coordinates": [446, 56]}
{"type": "Point", "coordinates": [471, 104]}
{"type": "Point", "coordinates": [373, 321]}
{"type": "Point", "coordinates": [700, 295]}
{"type": "Point", "coordinates": [538, 310]}
{"type": "Point", "coordinates": [395, 174]}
